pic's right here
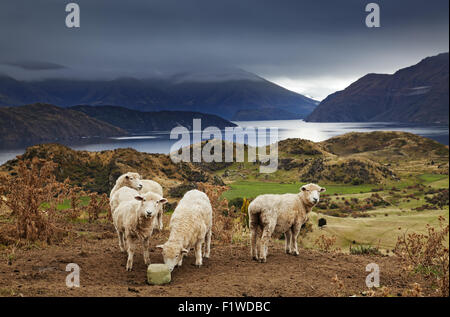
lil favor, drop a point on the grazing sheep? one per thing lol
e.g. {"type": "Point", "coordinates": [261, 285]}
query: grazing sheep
{"type": "Point", "coordinates": [154, 187]}
{"type": "Point", "coordinates": [190, 225]}
{"type": "Point", "coordinates": [134, 220]}
{"type": "Point", "coordinates": [130, 180]}
{"type": "Point", "coordinates": [276, 214]}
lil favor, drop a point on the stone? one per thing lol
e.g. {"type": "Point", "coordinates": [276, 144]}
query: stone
{"type": "Point", "coordinates": [158, 274]}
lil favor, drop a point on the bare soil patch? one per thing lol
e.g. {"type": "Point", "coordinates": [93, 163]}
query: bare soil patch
{"type": "Point", "coordinates": [40, 271]}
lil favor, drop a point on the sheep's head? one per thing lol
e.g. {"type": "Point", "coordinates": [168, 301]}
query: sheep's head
{"type": "Point", "coordinates": [311, 193]}
{"type": "Point", "coordinates": [132, 180]}
{"type": "Point", "coordinates": [172, 253]}
{"type": "Point", "coordinates": [151, 204]}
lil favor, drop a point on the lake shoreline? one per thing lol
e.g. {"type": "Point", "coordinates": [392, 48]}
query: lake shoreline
{"type": "Point", "coordinates": [160, 142]}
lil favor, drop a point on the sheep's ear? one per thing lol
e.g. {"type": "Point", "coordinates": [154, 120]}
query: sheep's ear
{"type": "Point", "coordinates": [184, 251]}
{"type": "Point", "coordinates": [322, 189]}
{"type": "Point", "coordinates": [140, 198]}
{"type": "Point", "coordinates": [160, 246]}
{"type": "Point", "coordinates": [162, 201]}
{"type": "Point", "coordinates": [303, 188]}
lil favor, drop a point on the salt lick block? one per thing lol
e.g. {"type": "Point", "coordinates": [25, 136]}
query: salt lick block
{"type": "Point", "coordinates": [158, 274]}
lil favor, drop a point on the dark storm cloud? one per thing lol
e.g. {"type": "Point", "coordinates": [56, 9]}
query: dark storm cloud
{"type": "Point", "coordinates": [302, 41]}
{"type": "Point", "coordinates": [35, 65]}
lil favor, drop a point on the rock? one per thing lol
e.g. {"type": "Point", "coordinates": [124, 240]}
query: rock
{"type": "Point", "coordinates": [158, 274]}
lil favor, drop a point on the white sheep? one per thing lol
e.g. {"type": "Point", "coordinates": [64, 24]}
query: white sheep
{"type": "Point", "coordinates": [128, 180]}
{"type": "Point", "coordinates": [190, 225]}
{"type": "Point", "coordinates": [134, 220]}
{"type": "Point", "coordinates": [275, 214]}
{"type": "Point", "coordinates": [154, 187]}
{"type": "Point", "coordinates": [122, 194]}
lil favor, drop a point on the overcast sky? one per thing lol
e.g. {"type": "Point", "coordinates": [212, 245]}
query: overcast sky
{"type": "Point", "coordinates": [311, 47]}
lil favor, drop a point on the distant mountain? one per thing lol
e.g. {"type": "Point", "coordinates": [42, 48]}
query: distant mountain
{"type": "Point", "coordinates": [222, 94]}
{"type": "Point", "coordinates": [43, 122]}
{"type": "Point", "coordinates": [419, 93]}
{"type": "Point", "coordinates": [138, 121]}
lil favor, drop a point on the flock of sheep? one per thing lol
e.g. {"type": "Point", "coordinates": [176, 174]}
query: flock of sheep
{"type": "Point", "coordinates": [137, 208]}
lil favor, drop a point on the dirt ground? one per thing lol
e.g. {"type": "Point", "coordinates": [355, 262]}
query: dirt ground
{"type": "Point", "coordinates": [40, 271]}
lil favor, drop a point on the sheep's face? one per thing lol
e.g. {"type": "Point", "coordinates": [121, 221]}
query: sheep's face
{"type": "Point", "coordinates": [172, 253]}
{"type": "Point", "coordinates": [133, 180]}
{"type": "Point", "coordinates": [150, 206]}
{"type": "Point", "coordinates": [311, 193]}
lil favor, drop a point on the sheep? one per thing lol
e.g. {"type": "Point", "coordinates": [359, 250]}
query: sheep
{"type": "Point", "coordinates": [134, 220]}
{"type": "Point", "coordinates": [152, 186]}
{"type": "Point", "coordinates": [130, 180]}
{"type": "Point", "coordinates": [122, 194]}
{"type": "Point", "coordinates": [275, 214]}
{"type": "Point", "coordinates": [190, 225]}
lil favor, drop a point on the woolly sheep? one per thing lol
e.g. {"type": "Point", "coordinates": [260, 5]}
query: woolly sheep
{"type": "Point", "coordinates": [275, 214]}
{"type": "Point", "coordinates": [123, 194]}
{"type": "Point", "coordinates": [134, 220]}
{"type": "Point", "coordinates": [190, 225]}
{"type": "Point", "coordinates": [152, 186]}
{"type": "Point", "coordinates": [129, 180]}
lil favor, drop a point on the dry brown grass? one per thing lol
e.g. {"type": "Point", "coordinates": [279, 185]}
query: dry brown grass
{"type": "Point", "coordinates": [325, 243]}
{"type": "Point", "coordinates": [222, 215]}
{"type": "Point", "coordinates": [33, 197]}
{"type": "Point", "coordinates": [427, 254]}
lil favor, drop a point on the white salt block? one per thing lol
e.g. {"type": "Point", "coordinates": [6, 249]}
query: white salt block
{"type": "Point", "coordinates": [158, 274]}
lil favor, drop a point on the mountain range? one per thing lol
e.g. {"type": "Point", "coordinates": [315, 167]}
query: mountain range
{"type": "Point", "coordinates": [223, 94]}
{"type": "Point", "coordinates": [418, 93]}
{"type": "Point", "coordinates": [135, 121]}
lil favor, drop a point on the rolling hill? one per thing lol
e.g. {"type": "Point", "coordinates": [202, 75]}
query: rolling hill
{"type": "Point", "coordinates": [417, 93]}
{"type": "Point", "coordinates": [44, 122]}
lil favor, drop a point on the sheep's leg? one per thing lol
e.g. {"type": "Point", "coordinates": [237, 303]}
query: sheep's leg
{"type": "Point", "coordinates": [208, 244]}
{"type": "Point", "coordinates": [180, 263]}
{"type": "Point", "coordinates": [258, 234]}
{"type": "Point", "coordinates": [121, 241]}
{"type": "Point", "coordinates": [146, 246]}
{"type": "Point", "coordinates": [254, 236]}
{"type": "Point", "coordinates": [160, 220]}
{"type": "Point", "coordinates": [198, 253]}
{"type": "Point", "coordinates": [287, 241]}
{"type": "Point", "coordinates": [295, 233]}
{"type": "Point", "coordinates": [131, 249]}
{"type": "Point", "coordinates": [265, 238]}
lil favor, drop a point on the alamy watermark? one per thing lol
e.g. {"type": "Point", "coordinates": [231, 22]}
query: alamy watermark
{"type": "Point", "coordinates": [73, 278]}
{"type": "Point", "coordinates": [373, 18]}
{"type": "Point", "coordinates": [265, 149]}
{"type": "Point", "coordinates": [373, 279]}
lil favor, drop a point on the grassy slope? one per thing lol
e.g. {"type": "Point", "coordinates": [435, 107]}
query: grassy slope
{"type": "Point", "coordinates": [377, 230]}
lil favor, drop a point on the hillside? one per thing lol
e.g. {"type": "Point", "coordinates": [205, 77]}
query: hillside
{"type": "Point", "coordinates": [223, 94]}
{"type": "Point", "coordinates": [43, 122]}
{"type": "Point", "coordinates": [138, 121]}
{"type": "Point", "coordinates": [98, 171]}
{"type": "Point", "coordinates": [418, 93]}
{"type": "Point", "coordinates": [353, 158]}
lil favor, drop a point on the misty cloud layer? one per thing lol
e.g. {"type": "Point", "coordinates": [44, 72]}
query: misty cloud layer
{"type": "Point", "coordinates": [313, 47]}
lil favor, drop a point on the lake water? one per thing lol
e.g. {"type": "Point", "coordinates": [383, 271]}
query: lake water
{"type": "Point", "coordinates": [160, 142]}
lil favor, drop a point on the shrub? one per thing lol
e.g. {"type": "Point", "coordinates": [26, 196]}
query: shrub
{"type": "Point", "coordinates": [427, 254]}
{"type": "Point", "coordinates": [325, 243]}
{"type": "Point", "coordinates": [33, 196]}
{"type": "Point", "coordinates": [364, 249]}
